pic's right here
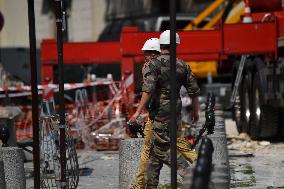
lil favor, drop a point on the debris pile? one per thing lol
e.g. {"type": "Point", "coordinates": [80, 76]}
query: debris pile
{"type": "Point", "coordinates": [243, 143]}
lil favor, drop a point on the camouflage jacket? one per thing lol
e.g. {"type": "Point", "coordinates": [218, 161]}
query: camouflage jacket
{"type": "Point", "coordinates": [156, 80]}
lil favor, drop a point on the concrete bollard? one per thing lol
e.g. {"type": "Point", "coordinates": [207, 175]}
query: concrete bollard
{"type": "Point", "coordinates": [129, 158]}
{"type": "Point", "coordinates": [13, 161]}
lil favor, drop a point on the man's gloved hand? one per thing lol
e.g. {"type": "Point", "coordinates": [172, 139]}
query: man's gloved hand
{"type": "Point", "coordinates": [134, 129]}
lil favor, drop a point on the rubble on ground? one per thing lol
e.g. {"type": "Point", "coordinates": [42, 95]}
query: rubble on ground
{"type": "Point", "coordinates": [244, 143]}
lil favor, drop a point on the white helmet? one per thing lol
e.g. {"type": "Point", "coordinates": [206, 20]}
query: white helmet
{"type": "Point", "coordinates": [152, 44]}
{"type": "Point", "coordinates": [165, 38]}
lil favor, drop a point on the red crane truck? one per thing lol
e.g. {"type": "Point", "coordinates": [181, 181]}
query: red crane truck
{"type": "Point", "coordinates": [254, 50]}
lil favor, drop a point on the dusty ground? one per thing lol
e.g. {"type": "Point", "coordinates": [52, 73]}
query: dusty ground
{"type": "Point", "coordinates": [254, 165]}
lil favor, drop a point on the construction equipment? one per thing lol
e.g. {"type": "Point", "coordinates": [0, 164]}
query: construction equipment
{"type": "Point", "coordinates": [238, 79]}
{"type": "Point", "coordinates": [204, 14]}
{"type": "Point", "coordinates": [216, 10]}
{"type": "Point", "coordinates": [261, 87]}
{"type": "Point", "coordinates": [209, 18]}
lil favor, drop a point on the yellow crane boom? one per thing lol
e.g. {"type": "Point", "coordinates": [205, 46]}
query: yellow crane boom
{"type": "Point", "coordinates": [201, 69]}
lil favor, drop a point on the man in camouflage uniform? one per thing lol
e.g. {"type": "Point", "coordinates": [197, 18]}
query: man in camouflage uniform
{"type": "Point", "coordinates": [151, 50]}
{"type": "Point", "coordinates": [157, 80]}
{"type": "Point", "coordinates": [182, 144]}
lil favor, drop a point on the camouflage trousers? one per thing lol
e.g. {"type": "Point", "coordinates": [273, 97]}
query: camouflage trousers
{"type": "Point", "coordinates": [159, 153]}
{"type": "Point", "coordinates": [183, 155]}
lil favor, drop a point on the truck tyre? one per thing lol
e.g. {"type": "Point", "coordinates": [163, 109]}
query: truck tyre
{"type": "Point", "coordinates": [241, 108]}
{"type": "Point", "coordinates": [236, 111]}
{"type": "Point", "coordinates": [264, 117]}
{"type": "Point", "coordinates": [245, 101]}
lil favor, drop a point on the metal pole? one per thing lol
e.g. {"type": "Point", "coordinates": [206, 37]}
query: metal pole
{"type": "Point", "coordinates": [173, 93]}
{"type": "Point", "coordinates": [60, 28]}
{"type": "Point", "coordinates": [32, 39]}
{"type": "Point", "coordinates": [65, 21]}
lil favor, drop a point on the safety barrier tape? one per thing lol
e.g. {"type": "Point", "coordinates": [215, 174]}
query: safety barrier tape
{"type": "Point", "coordinates": [25, 90]}
{"type": "Point", "coordinates": [100, 81]}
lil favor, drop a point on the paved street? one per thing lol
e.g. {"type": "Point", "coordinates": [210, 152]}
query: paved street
{"type": "Point", "coordinates": [101, 170]}
{"type": "Point", "coordinates": [254, 165]}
